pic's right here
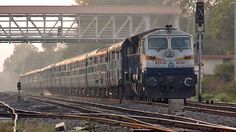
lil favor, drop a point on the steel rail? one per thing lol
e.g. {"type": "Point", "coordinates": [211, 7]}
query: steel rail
{"type": "Point", "coordinates": [104, 118]}
{"type": "Point", "coordinates": [212, 106]}
{"type": "Point", "coordinates": [134, 120]}
{"type": "Point", "coordinates": [181, 121]}
{"type": "Point", "coordinates": [131, 111]}
{"type": "Point", "coordinates": [229, 110]}
{"type": "Point", "coordinates": [214, 103]}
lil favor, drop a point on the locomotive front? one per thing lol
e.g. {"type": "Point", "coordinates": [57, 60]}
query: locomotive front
{"type": "Point", "coordinates": [167, 64]}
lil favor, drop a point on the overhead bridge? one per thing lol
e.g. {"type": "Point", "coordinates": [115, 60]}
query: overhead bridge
{"type": "Point", "coordinates": [80, 24]}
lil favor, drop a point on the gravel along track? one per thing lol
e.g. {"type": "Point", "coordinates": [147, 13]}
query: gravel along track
{"type": "Point", "coordinates": [72, 123]}
{"type": "Point", "coordinates": [75, 101]}
{"type": "Point", "coordinates": [32, 105]}
{"type": "Point", "coordinates": [217, 119]}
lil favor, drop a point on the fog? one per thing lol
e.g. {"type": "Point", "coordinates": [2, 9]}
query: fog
{"type": "Point", "coordinates": [8, 81]}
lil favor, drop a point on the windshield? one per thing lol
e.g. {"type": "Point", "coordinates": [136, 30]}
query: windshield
{"type": "Point", "coordinates": [180, 43]}
{"type": "Point", "coordinates": [157, 43]}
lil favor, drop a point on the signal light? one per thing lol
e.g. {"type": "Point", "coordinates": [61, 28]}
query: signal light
{"type": "Point", "coordinates": [199, 17]}
{"type": "Point", "coordinates": [200, 12]}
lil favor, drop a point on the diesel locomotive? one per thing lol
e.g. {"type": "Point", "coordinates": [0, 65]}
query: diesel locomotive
{"type": "Point", "coordinates": [158, 63]}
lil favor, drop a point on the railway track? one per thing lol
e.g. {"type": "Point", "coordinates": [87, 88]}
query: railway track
{"type": "Point", "coordinates": [147, 117]}
{"type": "Point", "coordinates": [212, 109]}
{"type": "Point", "coordinates": [102, 118]}
{"type": "Point", "coordinates": [217, 109]}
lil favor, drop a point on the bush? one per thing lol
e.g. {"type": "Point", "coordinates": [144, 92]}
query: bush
{"type": "Point", "coordinates": [222, 97]}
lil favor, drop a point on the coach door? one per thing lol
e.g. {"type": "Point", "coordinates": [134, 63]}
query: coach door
{"type": "Point", "coordinates": [132, 62]}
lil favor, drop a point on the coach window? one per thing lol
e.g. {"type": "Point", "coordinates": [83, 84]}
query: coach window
{"type": "Point", "coordinates": [82, 63]}
{"type": "Point", "coordinates": [117, 55]}
{"type": "Point", "coordinates": [113, 55]}
{"type": "Point", "coordinates": [91, 61]}
{"type": "Point", "coordinates": [62, 68]}
{"type": "Point", "coordinates": [71, 66]}
{"type": "Point", "coordinates": [101, 57]}
{"type": "Point", "coordinates": [77, 64]}
{"type": "Point", "coordinates": [95, 60]}
{"type": "Point", "coordinates": [110, 56]}
{"type": "Point", "coordinates": [131, 50]}
{"type": "Point", "coordinates": [106, 58]}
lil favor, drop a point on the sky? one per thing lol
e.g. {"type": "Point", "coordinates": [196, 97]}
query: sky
{"type": "Point", "coordinates": [6, 49]}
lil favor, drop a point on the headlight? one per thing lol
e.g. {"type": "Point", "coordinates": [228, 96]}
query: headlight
{"type": "Point", "coordinates": [188, 81]}
{"type": "Point", "coordinates": [169, 54]}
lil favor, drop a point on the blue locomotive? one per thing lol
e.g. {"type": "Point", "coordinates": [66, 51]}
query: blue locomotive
{"type": "Point", "coordinates": [154, 64]}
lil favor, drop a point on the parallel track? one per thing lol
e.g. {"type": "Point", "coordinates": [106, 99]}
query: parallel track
{"type": "Point", "coordinates": [103, 118]}
{"type": "Point", "coordinates": [148, 117]}
{"type": "Point", "coordinates": [217, 109]}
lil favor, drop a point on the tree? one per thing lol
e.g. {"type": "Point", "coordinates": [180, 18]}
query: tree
{"type": "Point", "coordinates": [221, 25]}
{"type": "Point", "coordinates": [20, 52]}
{"type": "Point", "coordinates": [225, 72]}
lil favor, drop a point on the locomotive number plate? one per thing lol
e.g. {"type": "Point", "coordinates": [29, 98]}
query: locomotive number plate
{"type": "Point", "coordinates": [160, 62]}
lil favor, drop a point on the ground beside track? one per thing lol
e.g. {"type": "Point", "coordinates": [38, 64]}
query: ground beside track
{"type": "Point", "coordinates": [217, 119]}
{"type": "Point", "coordinates": [37, 124]}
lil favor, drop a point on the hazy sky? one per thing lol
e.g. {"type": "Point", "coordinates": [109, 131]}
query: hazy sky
{"type": "Point", "coordinates": [6, 49]}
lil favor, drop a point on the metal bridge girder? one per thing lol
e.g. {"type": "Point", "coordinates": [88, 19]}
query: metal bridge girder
{"type": "Point", "coordinates": [74, 28]}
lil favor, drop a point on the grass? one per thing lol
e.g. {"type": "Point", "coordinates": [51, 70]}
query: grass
{"type": "Point", "coordinates": [6, 126]}
{"type": "Point", "coordinates": [26, 127]}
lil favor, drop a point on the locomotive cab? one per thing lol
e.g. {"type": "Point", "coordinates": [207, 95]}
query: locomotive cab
{"type": "Point", "coordinates": [167, 64]}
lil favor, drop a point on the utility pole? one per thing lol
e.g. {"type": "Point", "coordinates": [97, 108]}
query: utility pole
{"type": "Point", "coordinates": [200, 28]}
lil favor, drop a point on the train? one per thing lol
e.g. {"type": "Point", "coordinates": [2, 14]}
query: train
{"type": "Point", "coordinates": [156, 64]}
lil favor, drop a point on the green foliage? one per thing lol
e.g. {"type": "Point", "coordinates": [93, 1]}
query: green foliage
{"type": "Point", "coordinates": [20, 52]}
{"type": "Point", "coordinates": [26, 57]}
{"type": "Point", "coordinates": [221, 25]}
{"type": "Point", "coordinates": [221, 86]}
{"type": "Point", "coordinates": [225, 72]}
{"type": "Point", "coordinates": [227, 93]}
{"type": "Point", "coordinates": [211, 84]}
{"type": "Point", "coordinates": [222, 97]}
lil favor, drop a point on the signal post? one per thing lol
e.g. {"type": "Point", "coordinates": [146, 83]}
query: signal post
{"type": "Point", "coordinates": [200, 28]}
{"type": "Point", "coordinates": [18, 89]}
